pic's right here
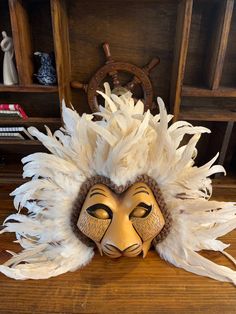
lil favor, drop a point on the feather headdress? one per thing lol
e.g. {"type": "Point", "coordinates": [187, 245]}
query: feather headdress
{"type": "Point", "coordinates": [124, 144]}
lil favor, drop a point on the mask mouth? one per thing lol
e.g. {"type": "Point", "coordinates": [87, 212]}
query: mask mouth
{"type": "Point", "coordinates": [114, 252]}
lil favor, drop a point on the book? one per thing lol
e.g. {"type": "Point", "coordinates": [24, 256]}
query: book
{"type": "Point", "coordinates": [11, 136]}
{"type": "Point", "coordinates": [21, 130]}
{"type": "Point", "coordinates": [14, 107]}
{"type": "Point", "coordinates": [10, 114]}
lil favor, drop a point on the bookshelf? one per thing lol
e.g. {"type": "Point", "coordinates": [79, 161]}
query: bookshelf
{"type": "Point", "coordinates": [29, 23]}
{"type": "Point", "coordinates": [196, 76]}
{"type": "Point", "coordinates": [203, 88]}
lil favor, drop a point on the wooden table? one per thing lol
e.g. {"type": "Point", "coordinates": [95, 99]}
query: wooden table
{"type": "Point", "coordinates": [126, 285]}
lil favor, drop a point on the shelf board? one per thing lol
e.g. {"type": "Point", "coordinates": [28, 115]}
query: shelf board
{"type": "Point", "coordinates": [33, 88]}
{"type": "Point", "coordinates": [31, 121]}
{"type": "Point", "coordinates": [21, 142]}
{"type": "Point", "coordinates": [201, 113]}
{"type": "Point", "coordinates": [228, 181]}
{"type": "Point", "coordinates": [191, 91]}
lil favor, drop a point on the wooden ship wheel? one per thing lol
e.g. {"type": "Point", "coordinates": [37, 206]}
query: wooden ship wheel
{"type": "Point", "coordinates": [112, 69]}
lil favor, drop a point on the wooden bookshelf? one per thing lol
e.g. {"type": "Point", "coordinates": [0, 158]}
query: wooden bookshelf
{"type": "Point", "coordinates": [201, 90]}
{"type": "Point", "coordinates": [193, 38]}
{"type": "Point", "coordinates": [21, 20]}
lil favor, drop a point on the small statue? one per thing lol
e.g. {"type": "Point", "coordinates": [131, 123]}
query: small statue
{"type": "Point", "coordinates": [10, 76]}
{"type": "Point", "coordinates": [46, 73]}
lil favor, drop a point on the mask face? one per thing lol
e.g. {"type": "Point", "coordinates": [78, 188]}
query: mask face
{"type": "Point", "coordinates": [124, 224]}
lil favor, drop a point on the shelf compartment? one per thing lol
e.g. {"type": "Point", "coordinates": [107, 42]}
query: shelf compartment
{"type": "Point", "coordinates": [34, 104]}
{"type": "Point", "coordinates": [192, 91]}
{"type": "Point", "coordinates": [5, 25]}
{"type": "Point", "coordinates": [148, 31]}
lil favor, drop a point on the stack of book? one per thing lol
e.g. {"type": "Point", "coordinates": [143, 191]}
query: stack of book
{"type": "Point", "coordinates": [20, 133]}
{"type": "Point", "coordinates": [12, 111]}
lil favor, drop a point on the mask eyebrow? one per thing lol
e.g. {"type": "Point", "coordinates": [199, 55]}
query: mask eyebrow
{"type": "Point", "coordinates": [97, 193]}
{"type": "Point", "coordinates": [141, 186]}
{"type": "Point", "coordinates": [142, 191]}
{"type": "Point", "coordinates": [94, 189]}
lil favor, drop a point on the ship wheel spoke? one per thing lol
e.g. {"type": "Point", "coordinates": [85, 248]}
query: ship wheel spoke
{"type": "Point", "coordinates": [131, 84]}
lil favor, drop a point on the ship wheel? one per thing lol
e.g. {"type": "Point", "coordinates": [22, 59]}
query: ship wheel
{"type": "Point", "coordinates": [111, 68]}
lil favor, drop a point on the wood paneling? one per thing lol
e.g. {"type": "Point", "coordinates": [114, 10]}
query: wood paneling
{"type": "Point", "coordinates": [137, 31]}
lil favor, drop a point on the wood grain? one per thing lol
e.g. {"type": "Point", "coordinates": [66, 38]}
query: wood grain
{"type": "Point", "coordinates": [180, 54]}
{"type": "Point", "coordinates": [28, 88]}
{"type": "Point", "coordinates": [136, 34]}
{"type": "Point", "coordinates": [22, 40]}
{"type": "Point", "coordinates": [204, 113]}
{"type": "Point", "coordinates": [229, 68]}
{"type": "Point", "coordinates": [219, 43]}
{"type": "Point", "coordinates": [32, 121]}
{"type": "Point", "coordinates": [225, 143]}
{"type": "Point", "coordinates": [61, 46]}
{"type": "Point", "coordinates": [125, 285]}
{"type": "Point", "coordinates": [192, 91]}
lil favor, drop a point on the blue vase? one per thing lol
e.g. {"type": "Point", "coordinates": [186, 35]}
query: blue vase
{"type": "Point", "coordinates": [46, 73]}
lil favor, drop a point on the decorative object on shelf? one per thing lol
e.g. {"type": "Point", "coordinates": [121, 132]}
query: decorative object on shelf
{"type": "Point", "coordinates": [11, 136]}
{"type": "Point", "coordinates": [10, 76]}
{"type": "Point", "coordinates": [112, 69]}
{"type": "Point", "coordinates": [10, 110]}
{"type": "Point", "coordinates": [12, 131]}
{"type": "Point", "coordinates": [10, 114]}
{"type": "Point", "coordinates": [46, 73]}
{"type": "Point", "coordinates": [122, 183]}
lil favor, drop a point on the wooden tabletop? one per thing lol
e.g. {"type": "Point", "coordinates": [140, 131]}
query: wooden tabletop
{"type": "Point", "coordinates": [125, 285]}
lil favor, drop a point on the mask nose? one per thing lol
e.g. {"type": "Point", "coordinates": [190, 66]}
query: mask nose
{"type": "Point", "coordinates": [121, 239]}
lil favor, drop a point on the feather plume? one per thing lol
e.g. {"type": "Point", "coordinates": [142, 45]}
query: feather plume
{"type": "Point", "coordinates": [125, 143]}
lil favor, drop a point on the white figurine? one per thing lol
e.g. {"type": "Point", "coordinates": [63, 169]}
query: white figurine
{"type": "Point", "coordinates": [9, 71]}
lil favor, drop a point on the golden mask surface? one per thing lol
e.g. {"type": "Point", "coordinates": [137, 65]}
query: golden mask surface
{"type": "Point", "coordinates": [123, 224]}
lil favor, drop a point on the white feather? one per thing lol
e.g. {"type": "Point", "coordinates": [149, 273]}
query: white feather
{"type": "Point", "coordinates": [126, 143]}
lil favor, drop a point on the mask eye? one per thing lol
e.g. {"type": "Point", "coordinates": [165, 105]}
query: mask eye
{"type": "Point", "coordinates": [100, 211]}
{"type": "Point", "coordinates": [141, 211]}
